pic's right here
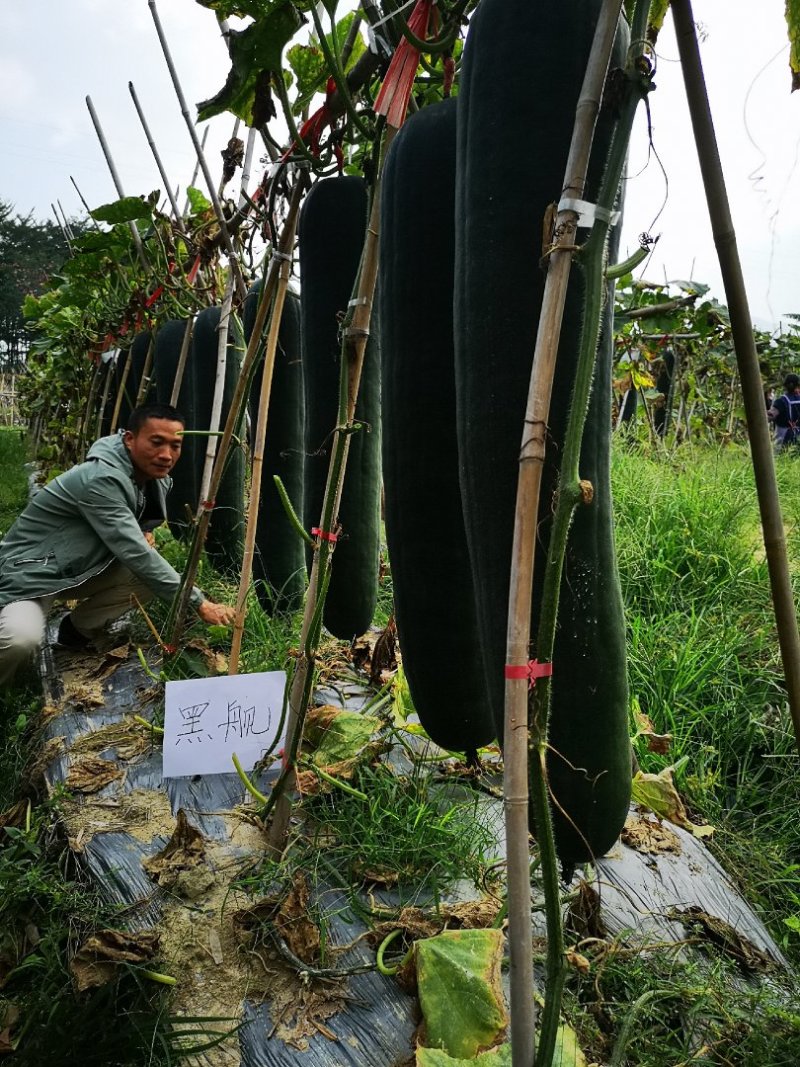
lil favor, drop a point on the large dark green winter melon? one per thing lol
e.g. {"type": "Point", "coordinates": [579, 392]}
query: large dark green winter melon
{"type": "Point", "coordinates": [332, 228]}
{"type": "Point", "coordinates": [279, 566]}
{"type": "Point", "coordinates": [431, 576]}
{"type": "Point", "coordinates": [522, 72]}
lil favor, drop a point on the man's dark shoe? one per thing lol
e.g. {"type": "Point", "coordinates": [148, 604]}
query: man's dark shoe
{"type": "Point", "coordinates": [69, 637]}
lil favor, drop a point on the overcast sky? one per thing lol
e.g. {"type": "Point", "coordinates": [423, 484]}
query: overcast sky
{"type": "Point", "coordinates": [55, 52]}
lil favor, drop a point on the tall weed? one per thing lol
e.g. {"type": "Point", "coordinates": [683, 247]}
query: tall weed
{"type": "Point", "coordinates": [703, 655]}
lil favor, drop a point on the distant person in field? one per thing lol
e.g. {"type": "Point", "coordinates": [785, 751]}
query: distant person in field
{"type": "Point", "coordinates": [785, 414]}
{"type": "Point", "coordinates": [86, 536]}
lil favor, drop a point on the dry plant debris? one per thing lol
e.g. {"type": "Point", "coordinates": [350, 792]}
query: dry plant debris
{"type": "Point", "coordinates": [96, 961]}
{"type": "Point", "coordinates": [648, 835]}
{"type": "Point", "coordinates": [90, 774]}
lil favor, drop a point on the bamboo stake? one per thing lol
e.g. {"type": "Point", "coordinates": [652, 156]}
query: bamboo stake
{"type": "Point", "coordinates": [531, 462]}
{"type": "Point", "coordinates": [144, 384]}
{"type": "Point", "coordinates": [82, 199]}
{"type": "Point", "coordinates": [237, 403]}
{"type": "Point", "coordinates": [246, 167]}
{"type": "Point", "coordinates": [196, 170]}
{"type": "Point", "coordinates": [167, 187]}
{"type": "Point", "coordinates": [219, 389]}
{"type": "Point", "coordinates": [746, 355]}
{"type": "Point", "coordinates": [137, 241]}
{"type": "Point", "coordinates": [356, 333]}
{"type": "Point", "coordinates": [223, 225]}
{"type": "Point", "coordinates": [64, 233]}
{"type": "Point", "coordinates": [121, 390]}
{"type": "Point", "coordinates": [182, 358]}
{"type": "Point", "coordinates": [258, 463]}
{"type": "Point", "coordinates": [94, 388]}
{"type": "Point", "coordinates": [109, 365]}
{"type": "Point", "coordinates": [69, 229]}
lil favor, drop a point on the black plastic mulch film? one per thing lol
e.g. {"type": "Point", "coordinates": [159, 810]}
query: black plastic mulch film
{"type": "Point", "coordinates": [377, 1019]}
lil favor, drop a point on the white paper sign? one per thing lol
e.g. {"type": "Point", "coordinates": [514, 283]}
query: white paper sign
{"type": "Point", "coordinates": [206, 720]}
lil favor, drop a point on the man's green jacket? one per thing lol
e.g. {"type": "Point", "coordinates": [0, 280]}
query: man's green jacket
{"type": "Point", "coordinates": [76, 525]}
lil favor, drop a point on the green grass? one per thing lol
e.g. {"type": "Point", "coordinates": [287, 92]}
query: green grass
{"type": "Point", "coordinates": [14, 479]}
{"type": "Point", "coordinates": [653, 1009]}
{"type": "Point", "coordinates": [703, 658]}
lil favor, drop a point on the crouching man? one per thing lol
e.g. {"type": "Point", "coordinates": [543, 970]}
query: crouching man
{"type": "Point", "coordinates": [82, 537]}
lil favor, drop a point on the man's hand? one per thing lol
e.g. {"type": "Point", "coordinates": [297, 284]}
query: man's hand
{"type": "Point", "coordinates": [148, 536]}
{"type": "Point", "coordinates": [216, 614]}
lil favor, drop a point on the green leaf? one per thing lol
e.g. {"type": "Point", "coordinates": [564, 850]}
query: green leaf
{"type": "Point", "coordinates": [338, 734]}
{"type": "Point", "coordinates": [255, 52]}
{"type": "Point", "coordinates": [657, 792]}
{"type": "Point", "coordinates": [240, 8]}
{"type": "Point", "coordinates": [793, 922]}
{"type": "Point", "coordinates": [309, 66]}
{"type": "Point", "coordinates": [458, 975]}
{"type": "Point", "coordinates": [402, 704]}
{"type": "Point", "coordinates": [655, 18]}
{"type": "Point", "coordinates": [435, 1057]}
{"type": "Point", "coordinates": [197, 201]}
{"type": "Point", "coordinates": [127, 209]}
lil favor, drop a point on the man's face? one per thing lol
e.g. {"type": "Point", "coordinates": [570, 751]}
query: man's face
{"type": "Point", "coordinates": [155, 448]}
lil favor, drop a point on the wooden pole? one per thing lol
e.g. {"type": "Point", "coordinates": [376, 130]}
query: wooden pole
{"type": "Point", "coordinates": [182, 358]}
{"type": "Point", "coordinates": [239, 398]}
{"type": "Point", "coordinates": [144, 384]}
{"type": "Point", "coordinates": [137, 241]}
{"type": "Point", "coordinates": [356, 333]}
{"type": "Point", "coordinates": [219, 390]}
{"type": "Point", "coordinates": [746, 354]}
{"type": "Point", "coordinates": [196, 170]}
{"type": "Point", "coordinates": [176, 211]}
{"type": "Point", "coordinates": [223, 225]}
{"type": "Point", "coordinates": [258, 462]}
{"type": "Point", "coordinates": [531, 463]}
{"type": "Point", "coordinates": [121, 390]}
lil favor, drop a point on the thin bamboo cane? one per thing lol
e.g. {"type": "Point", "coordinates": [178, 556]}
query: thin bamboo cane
{"type": "Point", "coordinates": [167, 187]}
{"type": "Point", "coordinates": [109, 366]}
{"type": "Point", "coordinates": [67, 225]}
{"type": "Point", "coordinates": [121, 390]}
{"type": "Point", "coordinates": [356, 333]}
{"type": "Point", "coordinates": [223, 225]}
{"type": "Point", "coordinates": [144, 383]}
{"type": "Point", "coordinates": [223, 329]}
{"type": "Point", "coordinates": [64, 233]}
{"type": "Point", "coordinates": [182, 358]}
{"type": "Point", "coordinates": [82, 199]}
{"type": "Point", "coordinates": [137, 240]}
{"type": "Point", "coordinates": [94, 388]}
{"type": "Point", "coordinates": [237, 403]}
{"type": "Point", "coordinates": [746, 354]}
{"type": "Point", "coordinates": [531, 461]}
{"type": "Point", "coordinates": [196, 171]}
{"type": "Point", "coordinates": [258, 463]}
{"type": "Point", "coordinates": [246, 167]}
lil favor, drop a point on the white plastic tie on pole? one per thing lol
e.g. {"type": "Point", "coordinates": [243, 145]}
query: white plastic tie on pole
{"type": "Point", "coordinates": [587, 213]}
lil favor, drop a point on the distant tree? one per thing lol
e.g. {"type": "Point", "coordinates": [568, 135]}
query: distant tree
{"type": "Point", "coordinates": [30, 253]}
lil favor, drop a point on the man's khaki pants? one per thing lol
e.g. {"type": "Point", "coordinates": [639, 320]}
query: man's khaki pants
{"type": "Point", "coordinates": [101, 600]}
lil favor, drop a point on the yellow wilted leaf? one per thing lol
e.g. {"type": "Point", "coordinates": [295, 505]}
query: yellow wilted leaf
{"type": "Point", "coordinates": [657, 792]}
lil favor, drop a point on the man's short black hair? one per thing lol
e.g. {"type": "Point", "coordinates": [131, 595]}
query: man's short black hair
{"type": "Point", "coordinates": [791, 381]}
{"type": "Point", "coordinates": [139, 416]}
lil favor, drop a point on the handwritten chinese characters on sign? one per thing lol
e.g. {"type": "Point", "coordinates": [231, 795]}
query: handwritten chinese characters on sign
{"type": "Point", "coordinates": [206, 720]}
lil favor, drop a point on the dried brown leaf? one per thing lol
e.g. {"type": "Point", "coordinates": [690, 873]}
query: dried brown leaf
{"type": "Point", "coordinates": [96, 961]}
{"type": "Point", "coordinates": [724, 936]}
{"type": "Point", "coordinates": [90, 774]}
{"type": "Point", "coordinates": [649, 836]}
{"type": "Point", "coordinates": [293, 922]}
